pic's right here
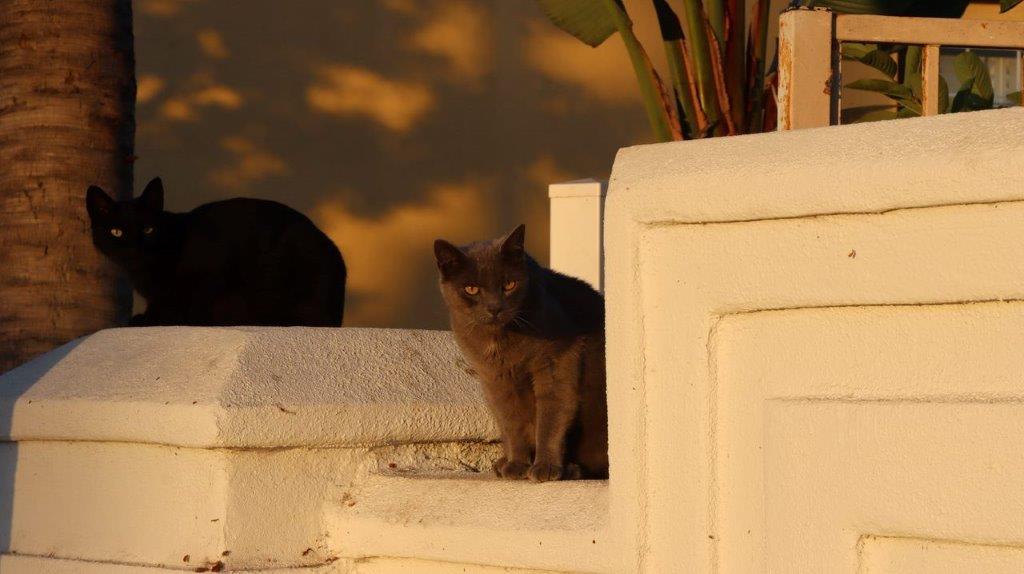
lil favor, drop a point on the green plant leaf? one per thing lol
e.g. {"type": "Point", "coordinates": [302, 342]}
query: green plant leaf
{"type": "Point", "coordinates": [914, 82]}
{"type": "Point", "coordinates": [877, 59]}
{"type": "Point", "coordinates": [1007, 5]}
{"type": "Point", "coordinates": [903, 94]}
{"type": "Point", "coordinates": [892, 89]}
{"type": "Point", "coordinates": [908, 113]}
{"type": "Point", "coordinates": [960, 99]}
{"type": "Point", "coordinates": [668, 21]}
{"type": "Point", "coordinates": [856, 50]}
{"type": "Point", "coordinates": [969, 67]}
{"type": "Point", "coordinates": [587, 20]}
{"type": "Point", "coordinates": [943, 95]}
{"type": "Point", "coordinates": [876, 116]}
{"type": "Point", "coordinates": [1014, 97]}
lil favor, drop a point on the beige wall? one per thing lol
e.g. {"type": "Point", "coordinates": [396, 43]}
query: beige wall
{"type": "Point", "coordinates": [813, 366]}
{"type": "Point", "coordinates": [390, 123]}
{"type": "Point", "coordinates": [811, 352]}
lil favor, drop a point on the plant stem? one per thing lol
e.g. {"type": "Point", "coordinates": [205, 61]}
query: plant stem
{"type": "Point", "coordinates": [693, 123]}
{"type": "Point", "coordinates": [700, 51]}
{"type": "Point", "coordinates": [757, 49]}
{"type": "Point", "coordinates": [691, 87]}
{"type": "Point", "coordinates": [685, 87]}
{"type": "Point", "coordinates": [653, 96]}
{"type": "Point", "coordinates": [735, 60]}
{"type": "Point", "coordinates": [716, 13]}
{"type": "Point", "coordinates": [720, 87]}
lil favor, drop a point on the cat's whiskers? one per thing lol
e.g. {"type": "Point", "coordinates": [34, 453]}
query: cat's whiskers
{"type": "Point", "coordinates": [519, 319]}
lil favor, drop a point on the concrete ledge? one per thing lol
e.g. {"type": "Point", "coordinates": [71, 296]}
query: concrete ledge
{"type": "Point", "coordinates": [247, 388]}
{"type": "Point", "coordinates": [558, 526]}
{"type": "Point", "coordinates": [18, 564]}
{"type": "Point", "coordinates": [270, 450]}
{"type": "Point", "coordinates": [858, 168]}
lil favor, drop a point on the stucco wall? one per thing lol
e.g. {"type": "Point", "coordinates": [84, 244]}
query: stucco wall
{"type": "Point", "coordinates": [271, 450]}
{"type": "Point", "coordinates": [810, 353]}
{"type": "Point", "coordinates": [814, 366]}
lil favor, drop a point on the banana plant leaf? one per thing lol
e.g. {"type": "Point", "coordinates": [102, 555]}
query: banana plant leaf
{"type": "Point", "coordinates": [886, 87]}
{"type": "Point", "coordinates": [970, 68]}
{"type": "Point", "coordinates": [1006, 5]}
{"type": "Point", "coordinates": [871, 56]}
{"type": "Point", "coordinates": [588, 21]}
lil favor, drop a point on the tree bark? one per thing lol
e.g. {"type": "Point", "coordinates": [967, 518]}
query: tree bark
{"type": "Point", "coordinates": [67, 105]}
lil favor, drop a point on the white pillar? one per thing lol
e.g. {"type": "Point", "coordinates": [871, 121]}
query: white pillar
{"type": "Point", "coordinates": [577, 216]}
{"type": "Point", "coordinates": [808, 91]}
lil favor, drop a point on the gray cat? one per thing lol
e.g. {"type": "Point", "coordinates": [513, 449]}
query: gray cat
{"type": "Point", "coordinates": [536, 340]}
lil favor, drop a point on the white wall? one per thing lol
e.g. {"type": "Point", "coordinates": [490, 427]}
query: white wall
{"type": "Point", "coordinates": [808, 353]}
{"type": "Point", "coordinates": [814, 366]}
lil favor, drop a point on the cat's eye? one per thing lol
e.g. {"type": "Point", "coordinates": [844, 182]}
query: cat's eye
{"type": "Point", "coordinates": [116, 232]}
{"type": "Point", "coordinates": [147, 230]}
{"type": "Point", "coordinates": [471, 289]}
{"type": "Point", "coordinates": [510, 285]}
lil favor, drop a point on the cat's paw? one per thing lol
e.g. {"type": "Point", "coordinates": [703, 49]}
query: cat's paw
{"type": "Point", "coordinates": [572, 471]}
{"type": "Point", "coordinates": [545, 472]}
{"type": "Point", "coordinates": [510, 469]}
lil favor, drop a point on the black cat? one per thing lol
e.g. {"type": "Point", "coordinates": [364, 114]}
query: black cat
{"type": "Point", "coordinates": [234, 262]}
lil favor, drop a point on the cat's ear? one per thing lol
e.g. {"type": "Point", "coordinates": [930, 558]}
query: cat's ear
{"type": "Point", "coordinates": [450, 259]}
{"type": "Point", "coordinates": [152, 197]}
{"type": "Point", "coordinates": [99, 205]}
{"type": "Point", "coordinates": [512, 244]}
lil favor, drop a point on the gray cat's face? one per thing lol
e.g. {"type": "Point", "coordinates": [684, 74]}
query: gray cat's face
{"type": "Point", "coordinates": [486, 282]}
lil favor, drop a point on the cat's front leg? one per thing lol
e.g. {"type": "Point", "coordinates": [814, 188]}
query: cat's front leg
{"type": "Point", "coordinates": [556, 387]}
{"type": "Point", "coordinates": [512, 405]}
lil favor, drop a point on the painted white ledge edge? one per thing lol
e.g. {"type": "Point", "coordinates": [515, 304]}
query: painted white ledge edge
{"type": "Point", "coordinates": [248, 388]}
{"type": "Point", "coordinates": [366, 447]}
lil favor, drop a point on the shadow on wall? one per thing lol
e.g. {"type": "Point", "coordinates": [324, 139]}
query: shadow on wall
{"type": "Point", "coordinates": [390, 123]}
{"type": "Point", "coordinates": [14, 384]}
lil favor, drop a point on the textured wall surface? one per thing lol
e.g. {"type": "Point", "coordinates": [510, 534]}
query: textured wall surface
{"type": "Point", "coordinates": [814, 366]}
{"type": "Point", "coordinates": [812, 347]}
{"type": "Point", "coordinates": [271, 450]}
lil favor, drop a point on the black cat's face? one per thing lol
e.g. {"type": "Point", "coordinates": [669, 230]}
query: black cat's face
{"type": "Point", "coordinates": [126, 230]}
{"type": "Point", "coordinates": [486, 282]}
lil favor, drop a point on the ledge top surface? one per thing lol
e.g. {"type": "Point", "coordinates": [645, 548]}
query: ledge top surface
{"type": "Point", "coordinates": [247, 387]}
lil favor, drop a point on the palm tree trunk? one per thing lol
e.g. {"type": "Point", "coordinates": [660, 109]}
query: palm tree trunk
{"type": "Point", "coordinates": [67, 103]}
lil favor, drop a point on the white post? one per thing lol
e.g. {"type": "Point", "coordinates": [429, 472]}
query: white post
{"type": "Point", "coordinates": [808, 90]}
{"type": "Point", "coordinates": [577, 217]}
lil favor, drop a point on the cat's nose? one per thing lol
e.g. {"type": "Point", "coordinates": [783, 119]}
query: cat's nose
{"type": "Point", "coordinates": [493, 311]}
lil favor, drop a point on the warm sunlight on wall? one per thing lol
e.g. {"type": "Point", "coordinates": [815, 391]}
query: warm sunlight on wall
{"type": "Point", "coordinates": [389, 122]}
{"type": "Point", "coordinates": [351, 91]}
{"type": "Point", "coordinates": [390, 256]}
